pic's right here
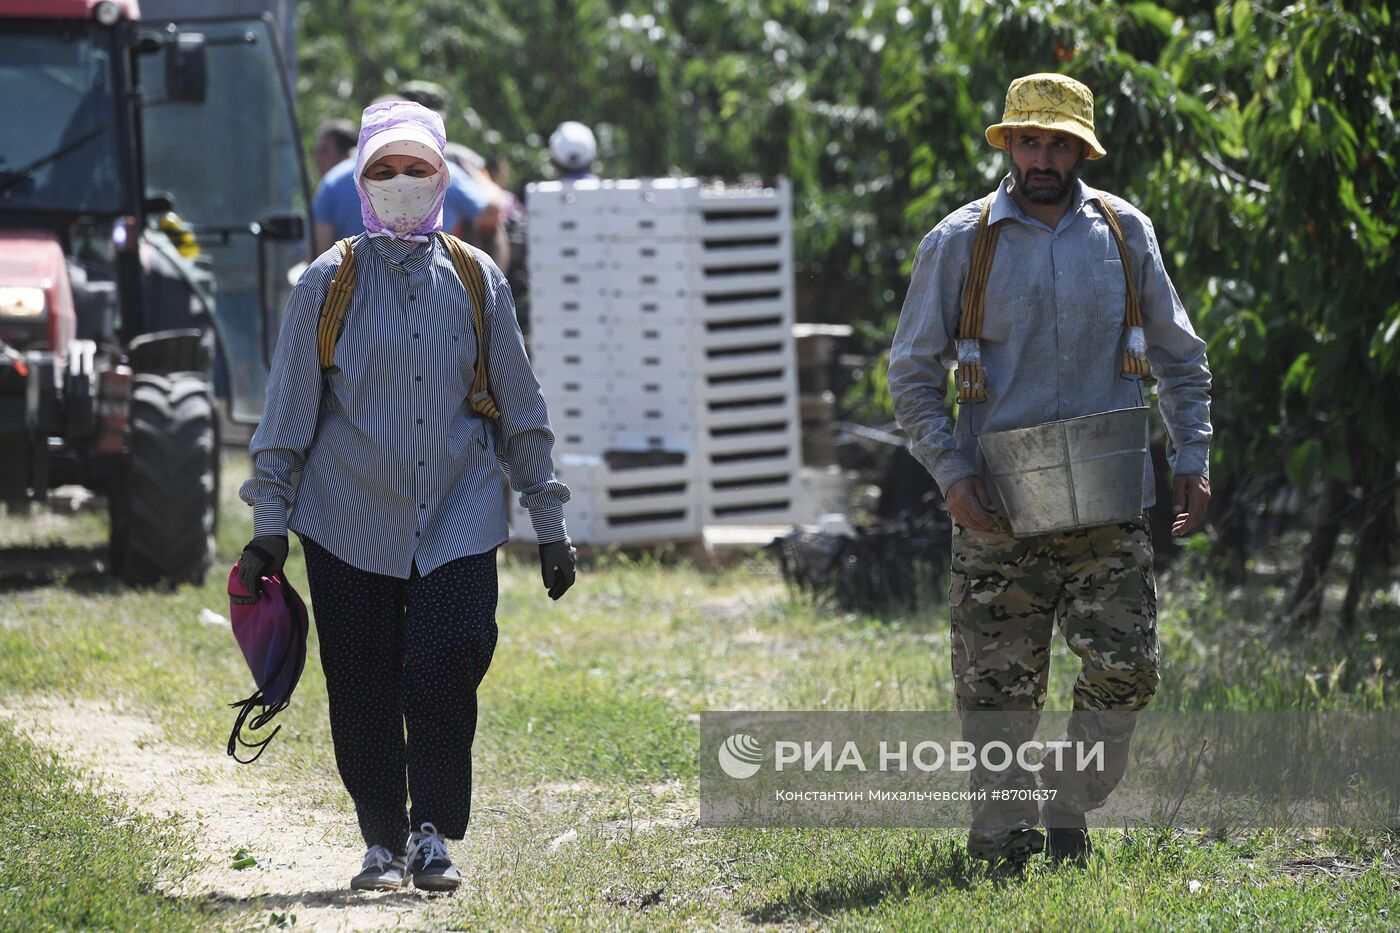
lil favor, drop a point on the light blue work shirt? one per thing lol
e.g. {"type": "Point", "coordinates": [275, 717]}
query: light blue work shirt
{"type": "Point", "coordinates": [1052, 338]}
{"type": "Point", "coordinates": [395, 469]}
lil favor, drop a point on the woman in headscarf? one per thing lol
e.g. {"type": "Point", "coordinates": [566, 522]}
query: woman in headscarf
{"type": "Point", "coordinates": [399, 505]}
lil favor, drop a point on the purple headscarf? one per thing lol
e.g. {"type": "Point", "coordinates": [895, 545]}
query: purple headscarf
{"type": "Point", "coordinates": [400, 121]}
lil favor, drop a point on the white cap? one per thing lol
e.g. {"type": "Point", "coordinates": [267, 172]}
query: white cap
{"type": "Point", "coordinates": [572, 146]}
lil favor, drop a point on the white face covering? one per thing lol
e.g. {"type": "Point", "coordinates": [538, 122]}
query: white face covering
{"type": "Point", "coordinates": [402, 203]}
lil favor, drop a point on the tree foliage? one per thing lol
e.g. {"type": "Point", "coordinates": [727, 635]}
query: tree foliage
{"type": "Point", "coordinates": [1261, 139]}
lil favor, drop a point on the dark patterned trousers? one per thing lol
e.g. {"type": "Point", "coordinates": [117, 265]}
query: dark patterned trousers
{"type": "Point", "coordinates": [1007, 596]}
{"type": "Point", "coordinates": [404, 656]}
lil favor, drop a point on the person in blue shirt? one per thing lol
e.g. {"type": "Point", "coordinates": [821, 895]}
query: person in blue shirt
{"type": "Point", "coordinates": [335, 142]}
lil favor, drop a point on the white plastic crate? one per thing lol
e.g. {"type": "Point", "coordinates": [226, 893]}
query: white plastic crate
{"type": "Point", "coordinates": [566, 280]}
{"type": "Point", "coordinates": [575, 440]}
{"type": "Point", "coordinates": [744, 222]}
{"type": "Point", "coordinates": [573, 336]}
{"type": "Point", "coordinates": [757, 490]}
{"type": "Point", "coordinates": [779, 510]}
{"type": "Point", "coordinates": [558, 368]}
{"type": "Point", "coordinates": [550, 307]}
{"type": "Point", "coordinates": [675, 313]}
{"type": "Point", "coordinates": [570, 360]}
{"type": "Point", "coordinates": [675, 436]}
{"type": "Point", "coordinates": [763, 332]}
{"type": "Point", "coordinates": [651, 279]}
{"type": "Point", "coordinates": [612, 505]}
{"type": "Point", "coordinates": [766, 436]}
{"type": "Point", "coordinates": [577, 252]}
{"type": "Point", "coordinates": [658, 362]}
{"type": "Point", "coordinates": [736, 465]}
{"type": "Point", "coordinates": [581, 411]}
{"type": "Point", "coordinates": [719, 254]}
{"type": "Point", "coordinates": [761, 281]}
{"type": "Point", "coordinates": [559, 384]}
{"type": "Point", "coordinates": [763, 410]}
{"type": "Point", "coordinates": [680, 341]}
{"type": "Point", "coordinates": [642, 252]}
{"type": "Point", "coordinates": [722, 307]}
{"type": "Point", "coordinates": [746, 364]}
{"type": "Point", "coordinates": [723, 387]}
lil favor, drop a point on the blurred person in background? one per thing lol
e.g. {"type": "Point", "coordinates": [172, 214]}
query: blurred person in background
{"type": "Point", "coordinates": [335, 143]}
{"type": "Point", "coordinates": [572, 151]}
{"type": "Point", "coordinates": [490, 230]}
{"type": "Point", "coordinates": [333, 216]}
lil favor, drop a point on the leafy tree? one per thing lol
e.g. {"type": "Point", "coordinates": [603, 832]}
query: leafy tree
{"type": "Point", "coordinates": [1261, 140]}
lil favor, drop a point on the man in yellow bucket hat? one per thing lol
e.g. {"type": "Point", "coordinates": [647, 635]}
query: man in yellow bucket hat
{"type": "Point", "coordinates": [1051, 300]}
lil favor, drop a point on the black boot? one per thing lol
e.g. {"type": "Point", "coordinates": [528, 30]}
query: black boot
{"type": "Point", "coordinates": [1067, 841]}
{"type": "Point", "coordinates": [1011, 865]}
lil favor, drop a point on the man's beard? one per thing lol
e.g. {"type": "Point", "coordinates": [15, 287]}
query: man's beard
{"type": "Point", "coordinates": [1052, 194]}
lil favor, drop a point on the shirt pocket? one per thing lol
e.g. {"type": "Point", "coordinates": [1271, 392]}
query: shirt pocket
{"type": "Point", "coordinates": [468, 441]}
{"type": "Point", "coordinates": [1108, 301]}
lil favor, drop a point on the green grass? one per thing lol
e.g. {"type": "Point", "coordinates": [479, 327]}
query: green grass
{"type": "Point", "coordinates": [73, 860]}
{"type": "Point", "coordinates": [585, 809]}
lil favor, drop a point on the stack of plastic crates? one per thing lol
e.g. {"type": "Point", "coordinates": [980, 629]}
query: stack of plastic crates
{"type": "Point", "coordinates": [661, 332]}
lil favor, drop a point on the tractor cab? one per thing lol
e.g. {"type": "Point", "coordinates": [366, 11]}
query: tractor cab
{"type": "Point", "coordinates": [153, 203]}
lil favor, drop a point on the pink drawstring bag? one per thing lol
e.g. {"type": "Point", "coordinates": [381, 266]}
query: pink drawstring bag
{"type": "Point", "coordinates": [271, 631]}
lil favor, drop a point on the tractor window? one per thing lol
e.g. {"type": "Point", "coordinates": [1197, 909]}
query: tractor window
{"type": "Point", "coordinates": [56, 83]}
{"type": "Point", "coordinates": [229, 165]}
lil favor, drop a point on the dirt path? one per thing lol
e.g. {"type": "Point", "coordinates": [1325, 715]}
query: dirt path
{"type": "Point", "coordinates": [305, 855]}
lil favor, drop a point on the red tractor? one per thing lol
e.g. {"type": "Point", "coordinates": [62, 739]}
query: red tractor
{"type": "Point", "coordinates": [152, 197]}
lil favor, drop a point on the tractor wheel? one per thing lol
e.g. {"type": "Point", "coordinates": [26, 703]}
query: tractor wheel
{"type": "Point", "coordinates": [164, 508]}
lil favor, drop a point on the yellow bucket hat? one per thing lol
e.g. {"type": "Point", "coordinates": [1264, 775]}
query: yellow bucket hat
{"type": "Point", "coordinates": [1052, 102]}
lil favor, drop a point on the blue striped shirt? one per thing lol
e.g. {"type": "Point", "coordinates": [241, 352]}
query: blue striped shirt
{"type": "Point", "coordinates": [394, 469]}
{"type": "Point", "coordinates": [1051, 337]}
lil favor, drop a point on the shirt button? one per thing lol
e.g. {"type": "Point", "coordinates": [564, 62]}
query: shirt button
{"type": "Point", "coordinates": [418, 534]}
{"type": "Point", "coordinates": [420, 462]}
{"type": "Point", "coordinates": [415, 336]}
{"type": "Point", "coordinates": [1065, 357]}
{"type": "Point", "coordinates": [454, 339]}
{"type": "Point", "coordinates": [420, 378]}
{"type": "Point", "coordinates": [412, 297]}
{"type": "Point", "coordinates": [420, 420]}
{"type": "Point", "coordinates": [422, 505]}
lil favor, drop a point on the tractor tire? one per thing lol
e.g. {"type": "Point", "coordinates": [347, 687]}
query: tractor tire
{"type": "Point", "coordinates": [164, 507]}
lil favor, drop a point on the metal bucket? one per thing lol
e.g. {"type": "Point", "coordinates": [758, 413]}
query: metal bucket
{"type": "Point", "coordinates": [1070, 474]}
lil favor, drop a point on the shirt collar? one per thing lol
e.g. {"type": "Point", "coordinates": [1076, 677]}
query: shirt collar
{"type": "Point", "coordinates": [1003, 206]}
{"type": "Point", "coordinates": [403, 255]}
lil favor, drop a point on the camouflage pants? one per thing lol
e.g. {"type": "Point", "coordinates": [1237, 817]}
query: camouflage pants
{"type": "Point", "coordinates": [1007, 595]}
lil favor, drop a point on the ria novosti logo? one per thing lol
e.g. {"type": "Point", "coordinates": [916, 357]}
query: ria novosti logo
{"type": "Point", "coordinates": [740, 756]}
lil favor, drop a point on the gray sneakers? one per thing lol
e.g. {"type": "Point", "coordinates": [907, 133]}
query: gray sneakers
{"type": "Point", "coordinates": [428, 863]}
{"type": "Point", "coordinates": [381, 871]}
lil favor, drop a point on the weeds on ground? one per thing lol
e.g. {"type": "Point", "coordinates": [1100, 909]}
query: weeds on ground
{"type": "Point", "coordinates": [74, 860]}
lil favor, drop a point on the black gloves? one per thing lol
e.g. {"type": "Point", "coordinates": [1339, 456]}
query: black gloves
{"type": "Point", "coordinates": [263, 557]}
{"type": "Point", "coordinates": [557, 567]}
